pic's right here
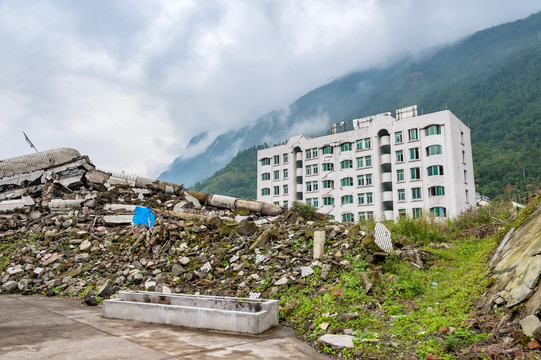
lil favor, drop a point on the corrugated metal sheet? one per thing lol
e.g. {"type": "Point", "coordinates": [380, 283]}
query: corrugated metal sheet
{"type": "Point", "coordinates": [39, 161]}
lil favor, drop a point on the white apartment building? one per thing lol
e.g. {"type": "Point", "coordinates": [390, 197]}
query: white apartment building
{"type": "Point", "coordinates": [382, 168]}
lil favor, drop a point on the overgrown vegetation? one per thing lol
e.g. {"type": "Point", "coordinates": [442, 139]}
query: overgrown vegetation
{"type": "Point", "coordinates": [396, 310]}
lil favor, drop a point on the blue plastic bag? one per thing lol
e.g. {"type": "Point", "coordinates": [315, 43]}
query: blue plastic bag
{"type": "Point", "coordinates": [143, 216]}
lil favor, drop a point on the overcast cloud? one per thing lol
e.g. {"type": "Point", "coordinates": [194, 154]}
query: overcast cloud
{"type": "Point", "coordinates": [130, 82]}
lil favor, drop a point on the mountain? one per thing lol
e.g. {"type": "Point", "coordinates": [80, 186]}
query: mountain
{"type": "Point", "coordinates": [490, 80]}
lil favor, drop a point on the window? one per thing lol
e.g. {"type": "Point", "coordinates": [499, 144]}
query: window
{"type": "Point", "coordinates": [327, 150]}
{"type": "Point", "coordinates": [313, 201]}
{"type": "Point", "coordinates": [416, 193]}
{"type": "Point", "coordinates": [328, 184]}
{"type": "Point", "coordinates": [347, 217]}
{"type": "Point", "coordinates": [414, 154]}
{"type": "Point", "coordinates": [276, 202]}
{"type": "Point", "coordinates": [276, 190]}
{"type": "Point", "coordinates": [311, 169]}
{"type": "Point", "coordinates": [311, 153]}
{"type": "Point", "coordinates": [364, 180]}
{"type": "Point", "coordinates": [286, 203]}
{"type": "Point", "coordinates": [463, 156]}
{"type": "Point", "coordinates": [433, 150]}
{"type": "Point", "coordinates": [286, 173]}
{"type": "Point", "coordinates": [285, 158]}
{"type": "Point", "coordinates": [400, 175]}
{"type": "Point", "coordinates": [369, 214]}
{"type": "Point", "coordinates": [265, 161]}
{"type": "Point", "coordinates": [367, 198]}
{"type": "Point", "coordinates": [347, 199]}
{"type": "Point", "coordinates": [362, 215]}
{"type": "Point", "coordinates": [398, 137]}
{"type": "Point", "coordinates": [364, 144]}
{"type": "Point", "coordinates": [276, 175]}
{"type": "Point", "coordinates": [436, 191]}
{"type": "Point", "coordinates": [435, 170]}
{"type": "Point", "coordinates": [465, 176]}
{"type": "Point", "coordinates": [276, 159]}
{"type": "Point", "coordinates": [345, 147]}
{"type": "Point", "coordinates": [402, 212]}
{"type": "Point", "coordinates": [347, 181]}
{"type": "Point", "coordinates": [401, 194]}
{"type": "Point", "coordinates": [415, 173]}
{"type": "Point", "coordinates": [438, 211]}
{"type": "Point", "coordinates": [433, 130]}
{"type": "Point", "coordinates": [286, 189]}
{"type": "Point", "coordinates": [312, 186]}
{"type": "Point", "coordinates": [265, 176]}
{"type": "Point", "coordinates": [462, 137]}
{"type": "Point", "coordinates": [400, 156]}
{"type": "Point", "coordinates": [346, 164]}
{"type": "Point", "coordinates": [467, 197]}
{"type": "Point", "coordinates": [265, 191]}
{"type": "Point", "coordinates": [364, 161]}
{"type": "Point", "coordinates": [413, 134]}
{"type": "Point", "coordinates": [328, 167]}
{"type": "Point", "coordinates": [416, 212]}
{"type": "Point", "coordinates": [328, 200]}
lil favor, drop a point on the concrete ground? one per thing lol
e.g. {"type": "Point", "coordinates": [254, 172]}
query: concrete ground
{"type": "Point", "coordinates": [36, 327]}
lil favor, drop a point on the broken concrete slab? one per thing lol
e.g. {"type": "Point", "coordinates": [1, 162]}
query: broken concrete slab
{"type": "Point", "coordinates": [337, 341]}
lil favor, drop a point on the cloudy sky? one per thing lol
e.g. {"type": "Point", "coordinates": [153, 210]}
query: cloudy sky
{"type": "Point", "coordinates": [130, 82]}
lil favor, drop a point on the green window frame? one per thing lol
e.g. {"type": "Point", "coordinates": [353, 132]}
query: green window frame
{"type": "Point", "coordinates": [438, 211]}
{"type": "Point", "coordinates": [345, 147]}
{"type": "Point", "coordinates": [328, 200]}
{"type": "Point", "coordinates": [347, 181]}
{"type": "Point", "coordinates": [276, 174]}
{"type": "Point", "coordinates": [327, 150]}
{"type": "Point", "coordinates": [400, 156]}
{"type": "Point", "coordinates": [433, 150]}
{"type": "Point", "coordinates": [401, 194]}
{"type": "Point", "coordinates": [276, 159]}
{"type": "Point", "coordinates": [400, 175]}
{"type": "Point", "coordinates": [328, 184]}
{"type": "Point", "coordinates": [265, 191]}
{"type": "Point", "coordinates": [265, 176]}
{"type": "Point", "coordinates": [346, 164]}
{"type": "Point", "coordinates": [416, 193]}
{"type": "Point", "coordinates": [435, 170]}
{"type": "Point", "coordinates": [414, 154]}
{"type": "Point", "coordinates": [347, 217]}
{"type": "Point", "coordinates": [436, 191]}
{"type": "Point", "coordinates": [415, 173]}
{"type": "Point", "coordinates": [398, 137]}
{"type": "Point", "coordinates": [328, 166]}
{"type": "Point", "coordinates": [347, 199]}
{"type": "Point", "coordinates": [433, 130]}
{"type": "Point", "coordinates": [265, 161]}
{"type": "Point", "coordinates": [413, 134]}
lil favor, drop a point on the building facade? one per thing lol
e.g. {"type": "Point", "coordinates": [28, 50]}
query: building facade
{"type": "Point", "coordinates": [382, 168]}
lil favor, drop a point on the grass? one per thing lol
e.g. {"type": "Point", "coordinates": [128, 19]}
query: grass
{"type": "Point", "coordinates": [402, 314]}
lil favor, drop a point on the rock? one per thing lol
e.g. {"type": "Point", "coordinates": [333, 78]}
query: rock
{"type": "Point", "coordinates": [532, 345]}
{"type": "Point", "coordinates": [184, 260]}
{"type": "Point", "coordinates": [282, 281]}
{"type": "Point", "coordinates": [324, 325]}
{"type": "Point", "coordinates": [150, 285]}
{"type": "Point", "coordinates": [306, 271]}
{"type": "Point", "coordinates": [246, 227]}
{"type": "Point", "coordinates": [261, 240]}
{"type": "Point", "coordinates": [91, 300]}
{"type": "Point", "coordinates": [337, 341]}
{"type": "Point", "coordinates": [82, 257]}
{"type": "Point", "coordinates": [530, 324]}
{"type": "Point", "coordinates": [177, 270]}
{"type": "Point", "coordinates": [443, 330]}
{"type": "Point", "coordinates": [9, 286]}
{"type": "Point", "coordinates": [23, 284]}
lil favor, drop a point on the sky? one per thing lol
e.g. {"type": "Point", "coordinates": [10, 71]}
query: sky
{"type": "Point", "coordinates": [129, 83]}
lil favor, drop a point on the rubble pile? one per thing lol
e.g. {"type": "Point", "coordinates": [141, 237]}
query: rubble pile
{"type": "Point", "coordinates": [66, 227]}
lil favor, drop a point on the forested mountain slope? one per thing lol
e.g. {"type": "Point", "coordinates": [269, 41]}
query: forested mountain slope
{"type": "Point", "coordinates": [491, 81]}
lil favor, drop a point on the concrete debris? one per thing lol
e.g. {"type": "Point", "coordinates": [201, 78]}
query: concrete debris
{"type": "Point", "coordinates": [530, 324]}
{"type": "Point", "coordinates": [337, 341]}
{"type": "Point", "coordinates": [383, 238]}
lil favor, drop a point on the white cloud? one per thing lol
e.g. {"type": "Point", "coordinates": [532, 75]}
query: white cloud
{"type": "Point", "coordinates": [129, 83]}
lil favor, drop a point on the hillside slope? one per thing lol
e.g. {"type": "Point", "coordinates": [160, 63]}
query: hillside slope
{"type": "Point", "coordinates": [490, 80]}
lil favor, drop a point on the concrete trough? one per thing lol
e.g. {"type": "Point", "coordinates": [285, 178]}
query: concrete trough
{"type": "Point", "coordinates": [241, 315]}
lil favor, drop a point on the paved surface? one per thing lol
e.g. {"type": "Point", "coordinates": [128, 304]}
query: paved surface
{"type": "Point", "coordinates": [36, 327]}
